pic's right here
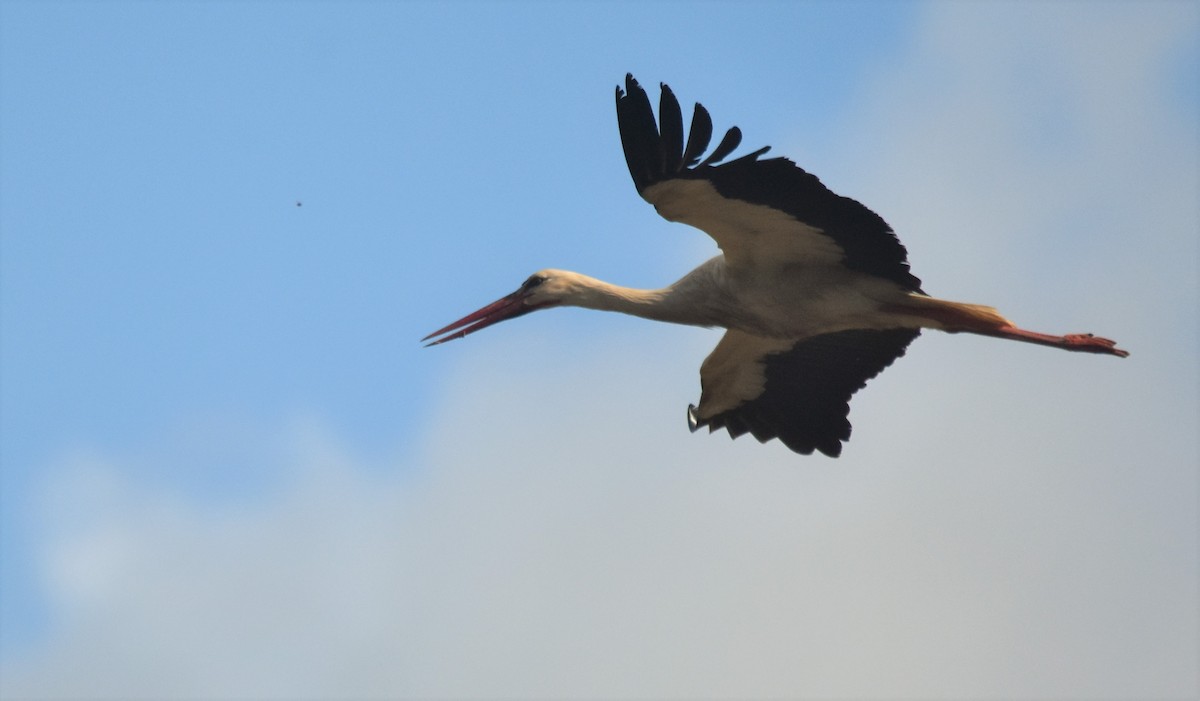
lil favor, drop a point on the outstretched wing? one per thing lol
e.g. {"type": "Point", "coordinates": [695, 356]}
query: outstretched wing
{"type": "Point", "coordinates": [761, 212]}
{"type": "Point", "coordinates": [796, 391]}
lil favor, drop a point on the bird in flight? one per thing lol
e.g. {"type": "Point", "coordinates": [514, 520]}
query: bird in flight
{"type": "Point", "coordinates": [813, 289]}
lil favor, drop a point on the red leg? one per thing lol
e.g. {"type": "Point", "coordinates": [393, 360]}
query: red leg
{"type": "Point", "coordinates": [1082, 342]}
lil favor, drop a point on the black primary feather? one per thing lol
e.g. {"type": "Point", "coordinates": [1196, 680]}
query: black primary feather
{"type": "Point", "coordinates": [731, 140]}
{"type": "Point", "coordinates": [698, 136]}
{"type": "Point", "coordinates": [639, 134]}
{"type": "Point", "coordinates": [670, 127]}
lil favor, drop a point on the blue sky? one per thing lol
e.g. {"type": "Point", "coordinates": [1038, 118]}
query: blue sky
{"type": "Point", "coordinates": [226, 458]}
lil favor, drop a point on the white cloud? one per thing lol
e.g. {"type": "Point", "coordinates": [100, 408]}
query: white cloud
{"type": "Point", "coordinates": [533, 552]}
{"type": "Point", "coordinates": [1007, 522]}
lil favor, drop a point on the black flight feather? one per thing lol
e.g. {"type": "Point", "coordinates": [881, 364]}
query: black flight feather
{"type": "Point", "coordinates": [698, 136]}
{"type": "Point", "coordinates": [729, 142]}
{"type": "Point", "coordinates": [670, 126]}
{"type": "Point", "coordinates": [639, 134]}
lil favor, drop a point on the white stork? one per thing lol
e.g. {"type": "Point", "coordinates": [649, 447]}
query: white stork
{"type": "Point", "coordinates": [813, 288]}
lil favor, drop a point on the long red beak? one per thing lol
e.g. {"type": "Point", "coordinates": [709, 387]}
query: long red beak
{"type": "Point", "coordinates": [508, 307]}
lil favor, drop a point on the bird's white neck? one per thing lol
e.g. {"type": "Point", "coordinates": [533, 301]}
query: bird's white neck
{"type": "Point", "coordinates": [689, 301]}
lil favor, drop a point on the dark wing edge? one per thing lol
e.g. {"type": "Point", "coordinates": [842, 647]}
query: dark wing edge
{"type": "Point", "coordinates": [655, 155]}
{"type": "Point", "coordinates": [655, 151]}
{"type": "Point", "coordinates": [805, 401]}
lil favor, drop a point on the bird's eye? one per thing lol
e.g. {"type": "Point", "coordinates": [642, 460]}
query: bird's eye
{"type": "Point", "coordinates": [532, 282]}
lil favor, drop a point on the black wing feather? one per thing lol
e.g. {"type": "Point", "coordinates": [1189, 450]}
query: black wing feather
{"type": "Point", "coordinates": [805, 401]}
{"type": "Point", "coordinates": [731, 140]}
{"type": "Point", "coordinates": [671, 129]}
{"type": "Point", "coordinates": [639, 135]}
{"type": "Point", "coordinates": [698, 136]}
{"type": "Point", "coordinates": [869, 244]}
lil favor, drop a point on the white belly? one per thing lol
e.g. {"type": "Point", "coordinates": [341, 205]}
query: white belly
{"type": "Point", "coordinates": [814, 300]}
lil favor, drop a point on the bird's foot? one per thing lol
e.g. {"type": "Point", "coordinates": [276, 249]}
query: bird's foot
{"type": "Point", "coordinates": [1081, 342]}
{"type": "Point", "coordinates": [1088, 343]}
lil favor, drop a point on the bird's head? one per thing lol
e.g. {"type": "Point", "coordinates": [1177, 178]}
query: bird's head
{"type": "Point", "coordinates": [545, 288]}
